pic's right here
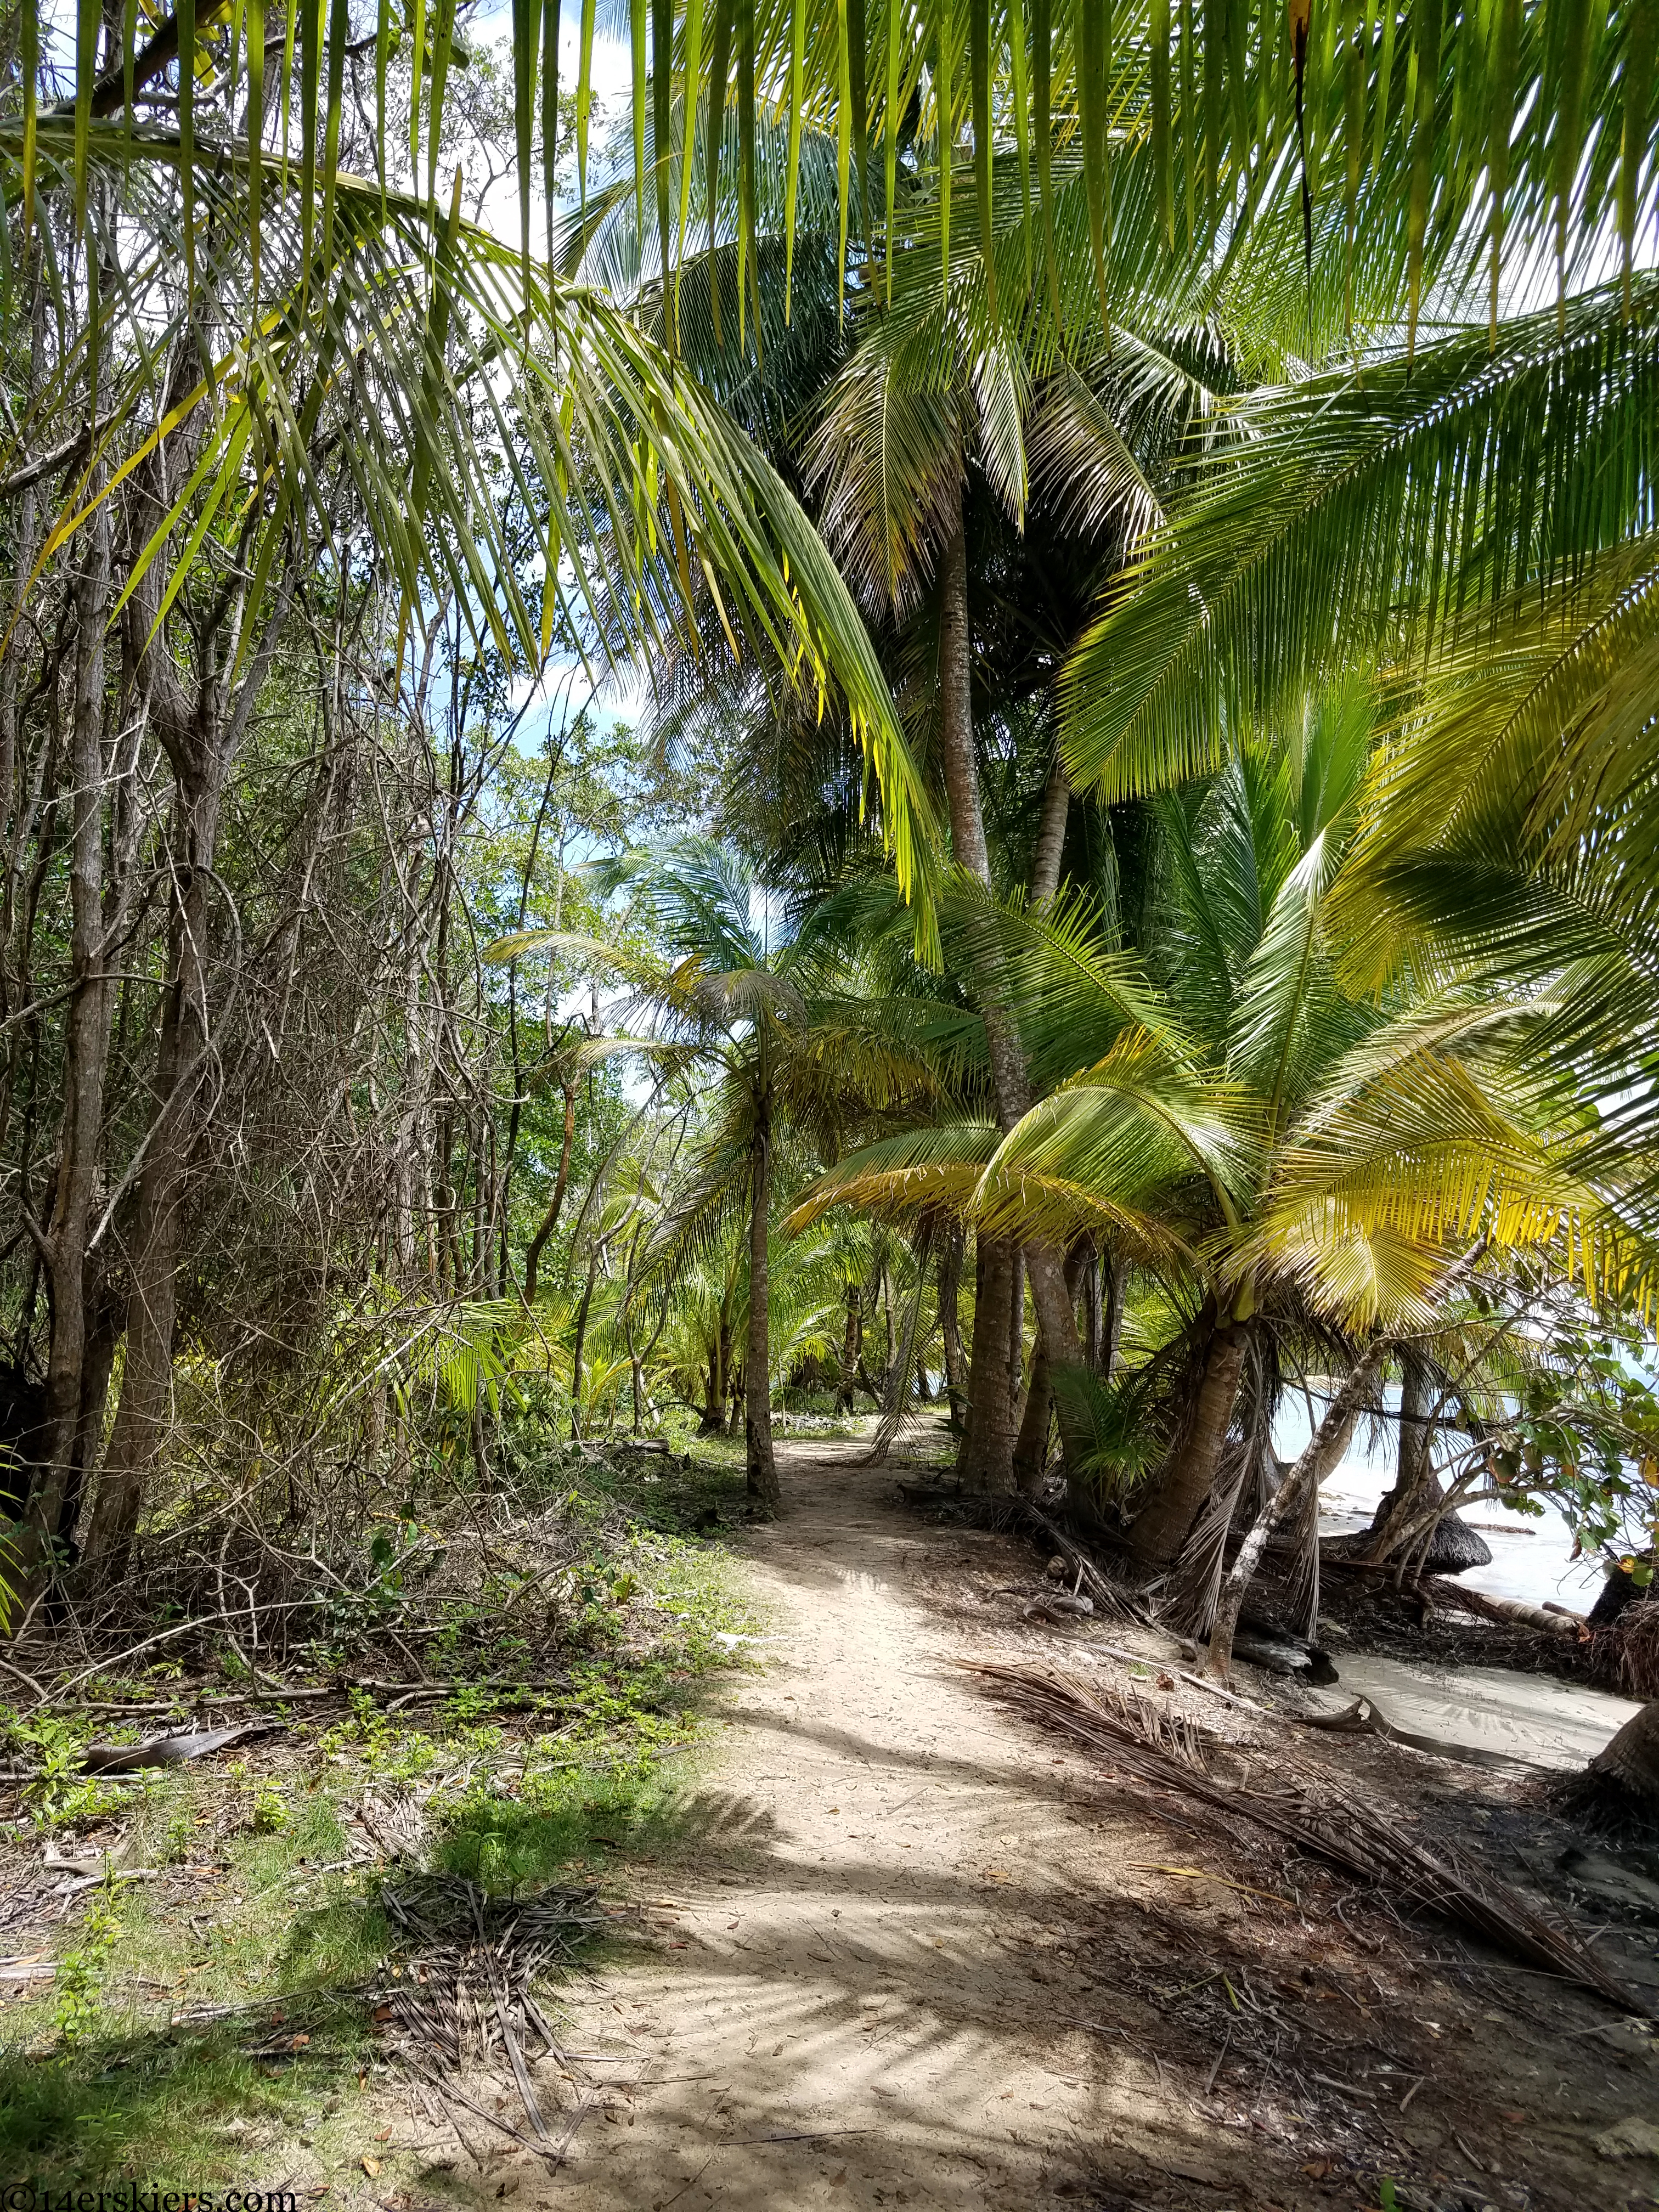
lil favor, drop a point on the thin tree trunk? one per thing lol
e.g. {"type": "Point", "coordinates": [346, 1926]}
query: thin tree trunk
{"type": "Point", "coordinates": [1324, 1449]}
{"type": "Point", "coordinates": [549, 1220]}
{"type": "Point", "coordinates": [145, 1406]}
{"type": "Point", "coordinates": [1112, 1335]}
{"type": "Point", "coordinates": [950, 1322]}
{"type": "Point", "coordinates": [86, 1057]}
{"type": "Point", "coordinates": [1161, 1527]}
{"type": "Point", "coordinates": [581, 1344]}
{"type": "Point", "coordinates": [764, 1495]}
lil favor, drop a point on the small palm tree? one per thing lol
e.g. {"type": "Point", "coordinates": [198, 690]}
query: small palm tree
{"type": "Point", "coordinates": [767, 1011]}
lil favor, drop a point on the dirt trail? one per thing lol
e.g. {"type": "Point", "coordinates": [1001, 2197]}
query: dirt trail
{"type": "Point", "coordinates": [871, 1979]}
{"type": "Point", "coordinates": [847, 1964]}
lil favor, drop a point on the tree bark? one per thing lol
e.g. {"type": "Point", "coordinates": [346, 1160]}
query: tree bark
{"type": "Point", "coordinates": [1161, 1527]}
{"type": "Point", "coordinates": [764, 1495]}
{"type": "Point", "coordinates": [1051, 836]}
{"type": "Point", "coordinates": [1324, 1449]}
{"type": "Point", "coordinates": [950, 1323]}
{"type": "Point", "coordinates": [1053, 1307]}
{"type": "Point", "coordinates": [549, 1220]}
{"type": "Point", "coordinates": [1031, 1448]}
{"type": "Point", "coordinates": [985, 1461]}
{"type": "Point", "coordinates": [1632, 1758]}
{"type": "Point", "coordinates": [86, 1058]}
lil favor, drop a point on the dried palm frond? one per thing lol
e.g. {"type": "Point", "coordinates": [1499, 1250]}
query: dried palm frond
{"type": "Point", "coordinates": [1317, 1818]}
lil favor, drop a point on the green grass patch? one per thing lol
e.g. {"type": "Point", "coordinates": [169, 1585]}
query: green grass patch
{"type": "Point", "coordinates": [105, 2075]}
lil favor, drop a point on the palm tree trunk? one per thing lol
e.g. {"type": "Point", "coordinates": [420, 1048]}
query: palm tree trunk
{"type": "Point", "coordinates": [985, 1460]}
{"type": "Point", "coordinates": [950, 1324]}
{"type": "Point", "coordinates": [764, 1495]}
{"type": "Point", "coordinates": [1161, 1527]}
{"type": "Point", "coordinates": [1632, 1757]}
{"type": "Point", "coordinates": [1051, 836]}
{"type": "Point", "coordinates": [1031, 1448]}
{"type": "Point", "coordinates": [1325, 1448]}
{"type": "Point", "coordinates": [1012, 1091]}
{"type": "Point", "coordinates": [1413, 1475]}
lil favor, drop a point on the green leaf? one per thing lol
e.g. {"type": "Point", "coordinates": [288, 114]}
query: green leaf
{"type": "Point", "coordinates": [720, 72]}
{"type": "Point", "coordinates": [978, 42]}
{"type": "Point", "coordinates": [1636, 94]}
{"type": "Point", "coordinates": [89, 18]}
{"type": "Point", "coordinates": [584, 99]}
{"type": "Point", "coordinates": [339, 33]}
{"type": "Point", "coordinates": [256, 133]}
{"type": "Point", "coordinates": [792, 172]}
{"type": "Point", "coordinates": [186, 133]}
{"type": "Point", "coordinates": [526, 16]}
{"type": "Point", "coordinates": [1159, 73]}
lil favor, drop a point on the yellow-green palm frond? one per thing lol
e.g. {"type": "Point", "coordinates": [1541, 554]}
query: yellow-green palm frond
{"type": "Point", "coordinates": [937, 1167]}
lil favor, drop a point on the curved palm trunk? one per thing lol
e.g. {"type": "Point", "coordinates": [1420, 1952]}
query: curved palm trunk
{"type": "Point", "coordinates": [1161, 1527]}
{"type": "Point", "coordinates": [1031, 1448]}
{"type": "Point", "coordinates": [1324, 1449]}
{"type": "Point", "coordinates": [764, 1495]}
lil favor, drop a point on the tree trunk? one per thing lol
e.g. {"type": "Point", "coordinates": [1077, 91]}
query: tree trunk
{"type": "Point", "coordinates": [146, 1400]}
{"type": "Point", "coordinates": [1011, 1090]}
{"type": "Point", "coordinates": [581, 1344]}
{"type": "Point", "coordinates": [764, 1495]}
{"type": "Point", "coordinates": [1112, 1335]}
{"type": "Point", "coordinates": [86, 1058]}
{"type": "Point", "coordinates": [1051, 836]}
{"type": "Point", "coordinates": [1632, 1758]}
{"type": "Point", "coordinates": [1324, 1449]}
{"type": "Point", "coordinates": [950, 1323]}
{"type": "Point", "coordinates": [1032, 1450]}
{"type": "Point", "coordinates": [1161, 1527]}
{"type": "Point", "coordinates": [549, 1220]}
{"type": "Point", "coordinates": [852, 1350]}
{"type": "Point", "coordinates": [985, 1461]}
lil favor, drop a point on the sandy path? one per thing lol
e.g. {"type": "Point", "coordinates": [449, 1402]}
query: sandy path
{"type": "Point", "coordinates": [860, 2014]}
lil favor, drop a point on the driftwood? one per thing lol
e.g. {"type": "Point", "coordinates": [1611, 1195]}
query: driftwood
{"type": "Point", "coordinates": [1169, 1753]}
{"type": "Point", "coordinates": [1549, 1620]}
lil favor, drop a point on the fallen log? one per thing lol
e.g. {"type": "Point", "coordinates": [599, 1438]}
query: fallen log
{"type": "Point", "coordinates": [1549, 1620]}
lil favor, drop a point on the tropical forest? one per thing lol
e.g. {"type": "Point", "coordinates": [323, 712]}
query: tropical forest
{"type": "Point", "coordinates": [828, 855]}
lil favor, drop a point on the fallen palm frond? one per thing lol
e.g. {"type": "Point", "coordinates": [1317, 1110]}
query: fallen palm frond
{"type": "Point", "coordinates": [463, 1991]}
{"type": "Point", "coordinates": [1146, 1742]}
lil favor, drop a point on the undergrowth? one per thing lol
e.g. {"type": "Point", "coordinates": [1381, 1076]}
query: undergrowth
{"type": "Point", "coordinates": [265, 1898]}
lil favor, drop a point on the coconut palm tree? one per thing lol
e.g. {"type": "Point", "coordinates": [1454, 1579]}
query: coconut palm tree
{"type": "Point", "coordinates": [767, 1008]}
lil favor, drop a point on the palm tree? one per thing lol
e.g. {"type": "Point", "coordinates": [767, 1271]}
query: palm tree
{"type": "Point", "coordinates": [767, 1010]}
